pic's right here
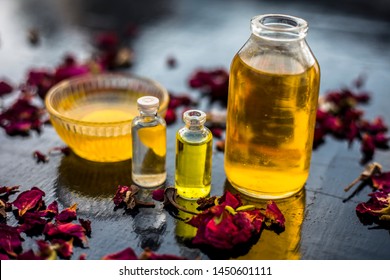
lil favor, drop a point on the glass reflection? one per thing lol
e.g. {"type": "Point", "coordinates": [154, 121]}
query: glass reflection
{"type": "Point", "coordinates": [282, 246]}
{"type": "Point", "coordinates": [91, 185]}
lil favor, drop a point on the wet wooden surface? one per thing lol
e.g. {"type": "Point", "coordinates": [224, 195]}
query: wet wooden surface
{"type": "Point", "coordinates": [199, 34]}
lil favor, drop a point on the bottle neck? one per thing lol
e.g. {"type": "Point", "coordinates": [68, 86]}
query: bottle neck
{"type": "Point", "coordinates": [194, 127]}
{"type": "Point", "coordinates": [279, 28]}
{"type": "Point", "coordinates": [147, 113]}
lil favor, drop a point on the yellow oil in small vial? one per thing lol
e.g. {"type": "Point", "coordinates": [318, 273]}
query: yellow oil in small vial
{"type": "Point", "coordinates": [193, 160]}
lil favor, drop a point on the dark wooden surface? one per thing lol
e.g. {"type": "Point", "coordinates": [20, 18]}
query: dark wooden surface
{"type": "Point", "coordinates": [198, 34]}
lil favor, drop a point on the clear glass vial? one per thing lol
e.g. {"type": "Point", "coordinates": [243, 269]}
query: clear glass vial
{"type": "Point", "coordinates": [273, 96]}
{"type": "Point", "coordinates": [149, 144]}
{"type": "Point", "coordinates": [193, 156]}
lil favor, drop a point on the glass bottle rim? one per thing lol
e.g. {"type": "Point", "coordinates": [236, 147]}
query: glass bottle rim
{"type": "Point", "coordinates": [194, 117]}
{"type": "Point", "coordinates": [279, 27]}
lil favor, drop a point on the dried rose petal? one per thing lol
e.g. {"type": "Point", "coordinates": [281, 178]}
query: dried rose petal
{"type": "Point", "coordinates": [5, 88]}
{"type": "Point", "coordinates": [42, 79]}
{"type": "Point", "coordinates": [10, 240]}
{"type": "Point", "coordinates": [229, 199]}
{"type": "Point", "coordinates": [3, 257]}
{"type": "Point", "coordinates": [376, 126]}
{"type": "Point", "coordinates": [107, 41]}
{"type": "Point", "coordinates": [170, 116]}
{"type": "Point", "coordinates": [171, 62]}
{"type": "Point", "coordinates": [158, 194]}
{"type": "Point", "coordinates": [67, 231]}
{"type": "Point", "coordinates": [29, 255]}
{"type": "Point", "coordinates": [367, 147]}
{"type": "Point", "coordinates": [126, 254]}
{"type": "Point", "coordinates": [70, 68]}
{"type": "Point", "coordinates": [28, 200]}
{"type": "Point", "coordinates": [51, 210]}
{"type": "Point", "coordinates": [46, 251]}
{"type": "Point", "coordinates": [86, 224]}
{"type": "Point", "coordinates": [67, 215]}
{"type": "Point", "coordinates": [62, 150]}
{"type": "Point", "coordinates": [220, 145]}
{"type": "Point", "coordinates": [378, 205]}
{"type": "Point", "coordinates": [40, 157]}
{"type": "Point", "coordinates": [120, 195]}
{"type": "Point", "coordinates": [150, 255]}
{"type": "Point", "coordinates": [21, 117]}
{"type": "Point", "coordinates": [274, 216]}
{"type": "Point", "coordinates": [63, 248]}
{"type": "Point", "coordinates": [83, 257]}
{"type": "Point", "coordinates": [7, 191]}
{"type": "Point", "coordinates": [3, 214]}
{"type": "Point", "coordinates": [217, 132]}
{"type": "Point", "coordinates": [214, 83]}
{"type": "Point", "coordinates": [32, 223]}
{"type": "Point", "coordinates": [381, 181]}
{"type": "Point", "coordinates": [126, 196]}
{"type": "Point", "coordinates": [221, 232]}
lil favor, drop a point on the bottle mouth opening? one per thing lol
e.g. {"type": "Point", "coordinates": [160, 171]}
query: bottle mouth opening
{"type": "Point", "coordinates": [279, 27]}
{"type": "Point", "coordinates": [194, 117]}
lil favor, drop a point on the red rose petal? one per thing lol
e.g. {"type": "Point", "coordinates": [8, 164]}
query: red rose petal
{"type": "Point", "coordinates": [126, 254]}
{"type": "Point", "coordinates": [67, 215]}
{"type": "Point", "coordinates": [28, 200]}
{"type": "Point", "coordinates": [69, 230]}
{"type": "Point", "coordinates": [5, 88]}
{"type": "Point", "coordinates": [381, 181]}
{"type": "Point", "coordinates": [10, 240]}
{"type": "Point", "coordinates": [158, 195]}
{"type": "Point", "coordinates": [274, 215]}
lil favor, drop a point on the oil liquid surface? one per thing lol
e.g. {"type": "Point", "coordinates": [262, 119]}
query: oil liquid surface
{"type": "Point", "coordinates": [149, 153]}
{"type": "Point", "coordinates": [270, 128]}
{"type": "Point", "coordinates": [193, 167]}
{"type": "Point", "coordinates": [99, 144]}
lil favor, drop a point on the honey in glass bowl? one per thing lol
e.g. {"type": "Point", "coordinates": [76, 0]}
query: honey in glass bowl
{"type": "Point", "coordinates": [93, 114]}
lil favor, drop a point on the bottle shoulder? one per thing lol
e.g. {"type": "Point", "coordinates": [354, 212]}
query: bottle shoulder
{"type": "Point", "coordinates": [198, 137]}
{"type": "Point", "coordinates": [276, 57]}
{"type": "Point", "coordinates": [148, 121]}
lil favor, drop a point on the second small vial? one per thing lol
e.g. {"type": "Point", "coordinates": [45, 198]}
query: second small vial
{"type": "Point", "coordinates": [193, 156]}
{"type": "Point", "coordinates": [149, 144]}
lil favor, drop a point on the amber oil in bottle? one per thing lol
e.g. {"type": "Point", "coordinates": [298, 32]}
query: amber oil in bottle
{"type": "Point", "coordinates": [149, 144]}
{"type": "Point", "coordinates": [193, 156]}
{"type": "Point", "coordinates": [273, 96]}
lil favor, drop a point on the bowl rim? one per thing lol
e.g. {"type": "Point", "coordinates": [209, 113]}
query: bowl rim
{"type": "Point", "coordinates": [79, 79]}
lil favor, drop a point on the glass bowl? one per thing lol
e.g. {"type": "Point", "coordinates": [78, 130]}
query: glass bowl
{"type": "Point", "coordinates": [92, 114]}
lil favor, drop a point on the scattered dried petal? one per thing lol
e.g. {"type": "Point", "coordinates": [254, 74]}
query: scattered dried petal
{"type": "Point", "coordinates": [40, 157]}
{"type": "Point", "coordinates": [86, 224]}
{"type": "Point", "coordinates": [5, 88]}
{"type": "Point", "coordinates": [10, 240]}
{"type": "Point", "coordinates": [220, 145]}
{"type": "Point", "coordinates": [274, 217]}
{"type": "Point", "coordinates": [126, 254]}
{"type": "Point", "coordinates": [29, 200]}
{"type": "Point", "coordinates": [158, 195]}
{"type": "Point", "coordinates": [67, 215]}
{"type": "Point", "coordinates": [5, 191]}
{"type": "Point", "coordinates": [381, 181]}
{"type": "Point", "coordinates": [150, 255]}
{"type": "Point", "coordinates": [66, 231]}
{"type": "Point", "coordinates": [170, 116]}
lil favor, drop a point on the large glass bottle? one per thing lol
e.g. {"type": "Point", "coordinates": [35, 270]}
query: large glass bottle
{"type": "Point", "coordinates": [149, 144]}
{"type": "Point", "coordinates": [193, 156]}
{"type": "Point", "coordinates": [273, 95]}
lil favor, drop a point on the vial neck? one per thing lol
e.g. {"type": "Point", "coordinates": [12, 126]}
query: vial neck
{"type": "Point", "coordinates": [146, 114]}
{"type": "Point", "coordinates": [194, 127]}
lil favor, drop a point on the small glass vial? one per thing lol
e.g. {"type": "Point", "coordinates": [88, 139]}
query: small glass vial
{"type": "Point", "coordinates": [193, 156]}
{"type": "Point", "coordinates": [149, 144]}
